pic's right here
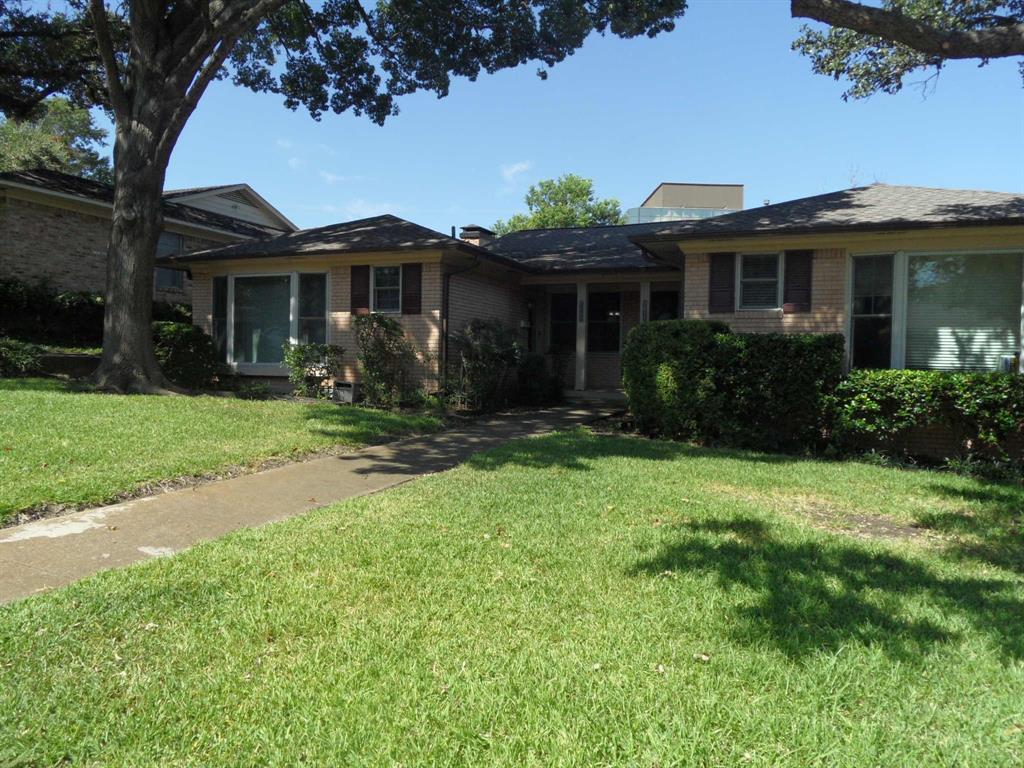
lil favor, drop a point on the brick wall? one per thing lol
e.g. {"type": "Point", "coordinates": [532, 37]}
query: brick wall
{"type": "Point", "coordinates": [481, 297]}
{"type": "Point", "coordinates": [67, 249]}
{"type": "Point", "coordinates": [828, 287]}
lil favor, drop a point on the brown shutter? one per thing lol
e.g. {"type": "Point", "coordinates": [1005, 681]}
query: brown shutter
{"type": "Point", "coordinates": [722, 283]}
{"type": "Point", "coordinates": [796, 291]}
{"type": "Point", "coordinates": [360, 290]}
{"type": "Point", "coordinates": [412, 288]}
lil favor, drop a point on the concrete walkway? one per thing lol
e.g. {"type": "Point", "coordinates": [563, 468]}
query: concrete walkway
{"type": "Point", "coordinates": [54, 551]}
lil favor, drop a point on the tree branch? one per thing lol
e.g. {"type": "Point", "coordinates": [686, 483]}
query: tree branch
{"type": "Point", "coordinates": [991, 43]}
{"type": "Point", "coordinates": [115, 88]}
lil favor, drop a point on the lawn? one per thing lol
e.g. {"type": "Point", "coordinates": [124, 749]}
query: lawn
{"type": "Point", "coordinates": [567, 600]}
{"type": "Point", "coordinates": [64, 447]}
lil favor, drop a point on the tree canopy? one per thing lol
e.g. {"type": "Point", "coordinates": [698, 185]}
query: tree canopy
{"type": "Point", "coordinates": [877, 47]}
{"type": "Point", "coordinates": [61, 137]}
{"type": "Point", "coordinates": [568, 201]}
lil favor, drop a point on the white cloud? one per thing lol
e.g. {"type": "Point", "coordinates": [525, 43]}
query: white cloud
{"type": "Point", "coordinates": [332, 178]}
{"type": "Point", "coordinates": [285, 143]}
{"type": "Point", "coordinates": [512, 171]}
{"type": "Point", "coordinates": [295, 163]}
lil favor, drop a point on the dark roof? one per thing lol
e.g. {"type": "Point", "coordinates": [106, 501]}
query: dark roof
{"type": "Point", "coordinates": [875, 207]}
{"type": "Point", "coordinates": [378, 233]}
{"type": "Point", "coordinates": [63, 183]}
{"type": "Point", "coordinates": [578, 249]}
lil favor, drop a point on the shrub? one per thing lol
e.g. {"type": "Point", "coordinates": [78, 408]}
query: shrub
{"type": "Point", "coordinates": [696, 380]}
{"type": "Point", "coordinates": [386, 361]}
{"type": "Point", "coordinates": [537, 385]}
{"type": "Point", "coordinates": [171, 312]}
{"type": "Point", "coordinates": [878, 409]}
{"type": "Point", "coordinates": [311, 366]}
{"type": "Point", "coordinates": [482, 363]}
{"type": "Point", "coordinates": [18, 358]}
{"type": "Point", "coordinates": [186, 354]}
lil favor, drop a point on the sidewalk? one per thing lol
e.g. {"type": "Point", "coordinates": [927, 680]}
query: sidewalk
{"type": "Point", "coordinates": [51, 552]}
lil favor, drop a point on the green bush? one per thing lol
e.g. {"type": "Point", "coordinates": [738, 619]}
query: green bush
{"type": "Point", "coordinates": [311, 366]}
{"type": "Point", "coordinates": [877, 409]}
{"type": "Point", "coordinates": [482, 363]}
{"type": "Point", "coordinates": [386, 361]}
{"type": "Point", "coordinates": [695, 380]}
{"type": "Point", "coordinates": [186, 354]}
{"type": "Point", "coordinates": [537, 384]}
{"type": "Point", "coordinates": [18, 358]}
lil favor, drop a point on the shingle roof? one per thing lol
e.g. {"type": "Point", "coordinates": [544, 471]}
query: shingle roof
{"type": "Point", "coordinates": [378, 233]}
{"type": "Point", "coordinates": [874, 207]}
{"type": "Point", "coordinates": [63, 183]}
{"type": "Point", "coordinates": [172, 193]}
{"type": "Point", "coordinates": [578, 249]}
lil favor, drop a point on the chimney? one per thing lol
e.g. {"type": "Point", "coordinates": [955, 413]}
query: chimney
{"type": "Point", "coordinates": [475, 235]}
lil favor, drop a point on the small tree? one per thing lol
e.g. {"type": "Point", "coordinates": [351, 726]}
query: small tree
{"type": "Point", "coordinates": [568, 201]}
{"type": "Point", "coordinates": [482, 366]}
{"type": "Point", "coordinates": [386, 361]}
{"type": "Point", "coordinates": [876, 47]}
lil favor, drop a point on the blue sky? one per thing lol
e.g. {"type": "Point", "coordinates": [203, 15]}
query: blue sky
{"type": "Point", "coordinates": [720, 99]}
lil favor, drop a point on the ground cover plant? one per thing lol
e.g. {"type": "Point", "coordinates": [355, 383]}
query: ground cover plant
{"type": "Point", "coordinates": [59, 446]}
{"type": "Point", "coordinates": [567, 600]}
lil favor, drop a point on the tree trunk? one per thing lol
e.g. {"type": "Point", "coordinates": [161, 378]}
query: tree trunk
{"type": "Point", "coordinates": [129, 363]}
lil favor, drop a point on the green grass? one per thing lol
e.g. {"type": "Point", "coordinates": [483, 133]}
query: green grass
{"type": "Point", "coordinates": [567, 600]}
{"type": "Point", "coordinates": [63, 447]}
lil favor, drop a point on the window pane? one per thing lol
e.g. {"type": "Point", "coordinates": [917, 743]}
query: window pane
{"type": "Point", "coordinates": [312, 295]}
{"type": "Point", "coordinates": [168, 244]}
{"type": "Point", "coordinates": [963, 310]}
{"type": "Point", "coordinates": [169, 279]}
{"type": "Point", "coordinates": [872, 285]}
{"type": "Point", "coordinates": [220, 317]}
{"type": "Point", "coordinates": [872, 342]}
{"type": "Point", "coordinates": [664, 305]}
{"type": "Point", "coordinates": [603, 316]}
{"type": "Point", "coordinates": [563, 322]}
{"type": "Point", "coordinates": [387, 277]}
{"type": "Point", "coordinates": [387, 300]}
{"type": "Point", "coordinates": [764, 267]}
{"type": "Point", "coordinates": [760, 295]}
{"type": "Point", "coordinates": [312, 330]}
{"type": "Point", "coordinates": [262, 308]}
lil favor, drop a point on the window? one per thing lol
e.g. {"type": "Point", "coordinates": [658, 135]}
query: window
{"type": "Point", "coordinates": [220, 318]}
{"type": "Point", "coordinates": [387, 289]}
{"type": "Point", "coordinates": [664, 305]}
{"type": "Point", "coordinates": [169, 244]}
{"type": "Point", "coordinates": [563, 322]}
{"type": "Point", "coordinates": [759, 281]}
{"type": "Point", "coordinates": [603, 320]}
{"type": "Point", "coordinates": [963, 310]}
{"type": "Point", "coordinates": [170, 279]}
{"type": "Point", "coordinates": [312, 309]}
{"type": "Point", "coordinates": [265, 312]}
{"type": "Point", "coordinates": [871, 311]}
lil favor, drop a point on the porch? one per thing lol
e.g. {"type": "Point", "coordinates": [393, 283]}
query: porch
{"type": "Point", "coordinates": [581, 326]}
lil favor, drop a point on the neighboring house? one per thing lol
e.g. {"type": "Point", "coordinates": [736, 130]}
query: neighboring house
{"type": "Point", "coordinates": [912, 277]}
{"type": "Point", "coordinates": [681, 201]}
{"type": "Point", "coordinates": [55, 228]}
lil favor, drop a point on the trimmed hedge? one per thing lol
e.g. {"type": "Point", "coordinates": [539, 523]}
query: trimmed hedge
{"type": "Point", "coordinates": [696, 380]}
{"type": "Point", "coordinates": [186, 354]}
{"type": "Point", "coordinates": [879, 409]}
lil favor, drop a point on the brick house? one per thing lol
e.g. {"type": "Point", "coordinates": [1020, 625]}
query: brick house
{"type": "Point", "coordinates": [912, 277]}
{"type": "Point", "coordinates": [55, 229]}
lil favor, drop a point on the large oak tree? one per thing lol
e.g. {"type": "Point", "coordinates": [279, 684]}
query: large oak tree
{"type": "Point", "coordinates": [876, 46]}
{"type": "Point", "coordinates": [149, 62]}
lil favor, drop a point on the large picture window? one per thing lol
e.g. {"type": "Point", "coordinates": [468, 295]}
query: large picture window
{"type": "Point", "coordinates": [963, 310]}
{"type": "Point", "coordinates": [264, 312]}
{"type": "Point", "coordinates": [871, 311]}
{"type": "Point", "coordinates": [759, 281]}
{"type": "Point", "coordinates": [387, 289]}
{"type": "Point", "coordinates": [604, 316]}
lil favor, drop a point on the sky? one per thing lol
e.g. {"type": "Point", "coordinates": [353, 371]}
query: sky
{"type": "Point", "coordinates": [721, 99]}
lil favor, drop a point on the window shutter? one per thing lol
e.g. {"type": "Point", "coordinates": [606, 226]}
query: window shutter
{"type": "Point", "coordinates": [796, 292]}
{"type": "Point", "coordinates": [360, 290]}
{"type": "Point", "coordinates": [412, 288]}
{"type": "Point", "coordinates": [722, 283]}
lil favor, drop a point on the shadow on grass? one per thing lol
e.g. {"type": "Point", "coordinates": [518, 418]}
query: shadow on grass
{"type": "Point", "coordinates": [992, 517]}
{"type": "Point", "coordinates": [355, 424]}
{"type": "Point", "coordinates": [39, 384]}
{"type": "Point", "coordinates": [809, 596]}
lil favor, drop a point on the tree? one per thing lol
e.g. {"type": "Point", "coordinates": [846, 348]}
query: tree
{"type": "Point", "coordinates": [568, 201]}
{"type": "Point", "coordinates": [151, 61]}
{"type": "Point", "coordinates": [877, 47]}
{"type": "Point", "coordinates": [62, 137]}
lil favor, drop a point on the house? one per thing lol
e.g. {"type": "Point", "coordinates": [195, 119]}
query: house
{"type": "Point", "coordinates": [912, 277]}
{"type": "Point", "coordinates": [684, 201]}
{"type": "Point", "coordinates": [56, 227]}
